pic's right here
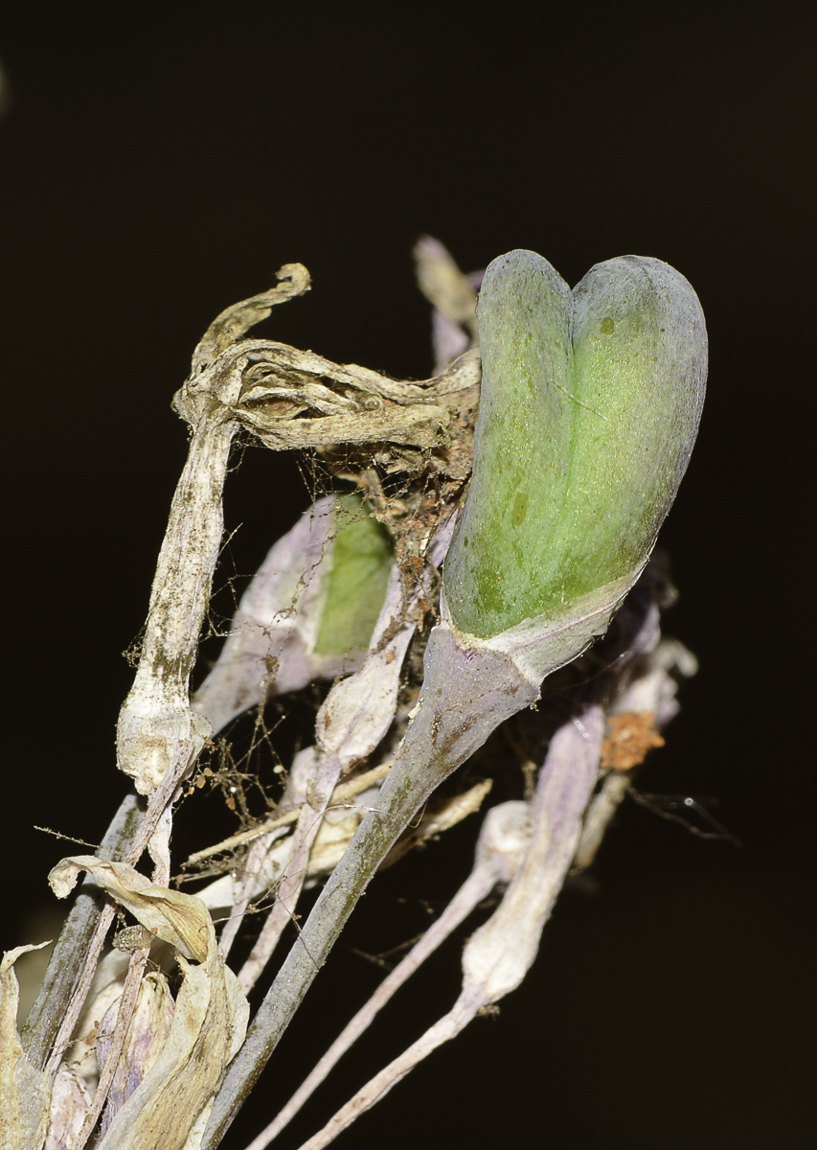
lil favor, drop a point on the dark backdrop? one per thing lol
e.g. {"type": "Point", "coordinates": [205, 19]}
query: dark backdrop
{"type": "Point", "coordinates": [160, 161]}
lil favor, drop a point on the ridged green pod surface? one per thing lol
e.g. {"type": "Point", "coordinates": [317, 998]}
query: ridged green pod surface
{"type": "Point", "coordinates": [590, 406]}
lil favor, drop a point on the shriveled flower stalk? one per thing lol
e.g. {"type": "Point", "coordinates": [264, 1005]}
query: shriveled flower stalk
{"type": "Point", "coordinates": [589, 406]}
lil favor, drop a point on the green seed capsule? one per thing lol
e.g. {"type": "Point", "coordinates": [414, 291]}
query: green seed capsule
{"type": "Point", "coordinates": [589, 410]}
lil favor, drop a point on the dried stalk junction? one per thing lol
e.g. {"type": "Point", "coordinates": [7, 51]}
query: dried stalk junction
{"type": "Point", "coordinates": [406, 447]}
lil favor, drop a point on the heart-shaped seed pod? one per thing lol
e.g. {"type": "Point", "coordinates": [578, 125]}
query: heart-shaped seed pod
{"type": "Point", "coordinates": [590, 406]}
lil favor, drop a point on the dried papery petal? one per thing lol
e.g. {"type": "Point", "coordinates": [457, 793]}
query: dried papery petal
{"type": "Point", "coordinates": [295, 399]}
{"type": "Point", "coordinates": [359, 710]}
{"type": "Point", "coordinates": [24, 1090]}
{"type": "Point", "coordinates": [179, 919]}
{"type": "Point", "coordinates": [147, 1035]}
{"type": "Point", "coordinates": [209, 1020]}
{"type": "Point", "coordinates": [177, 1092]}
{"type": "Point", "coordinates": [70, 1102]}
{"type": "Point", "coordinates": [106, 989]}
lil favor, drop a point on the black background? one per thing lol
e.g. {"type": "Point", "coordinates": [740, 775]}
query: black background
{"type": "Point", "coordinates": [159, 162]}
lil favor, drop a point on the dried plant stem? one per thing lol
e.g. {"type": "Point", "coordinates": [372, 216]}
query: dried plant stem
{"type": "Point", "coordinates": [124, 1017]}
{"type": "Point", "coordinates": [599, 813]}
{"type": "Point", "coordinates": [158, 734]}
{"type": "Point", "coordinates": [292, 881]}
{"type": "Point", "coordinates": [341, 794]}
{"type": "Point", "coordinates": [78, 947]}
{"type": "Point", "coordinates": [439, 739]}
{"type": "Point", "coordinates": [476, 887]}
{"type": "Point", "coordinates": [501, 952]}
{"type": "Point", "coordinates": [244, 893]}
{"type": "Point", "coordinates": [448, 1027]}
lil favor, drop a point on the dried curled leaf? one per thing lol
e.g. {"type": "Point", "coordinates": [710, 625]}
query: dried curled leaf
{"type": "Point", "coordinates": [236, 320]}
{"type": "Point", "coordinates": [176, 918]}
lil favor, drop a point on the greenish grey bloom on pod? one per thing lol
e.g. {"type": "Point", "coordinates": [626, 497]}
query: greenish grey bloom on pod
{"type": "Point", "coordinates": [362, 557]}
{"type": "Point", "coordinates": [590, 406]}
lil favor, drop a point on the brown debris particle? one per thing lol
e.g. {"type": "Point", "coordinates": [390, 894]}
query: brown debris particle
{"type": "Point", "coordinates": [631, 735]}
